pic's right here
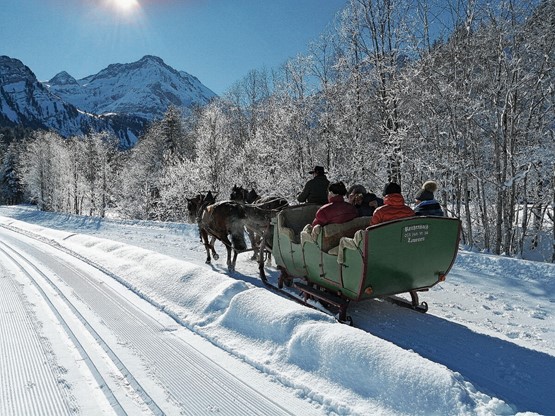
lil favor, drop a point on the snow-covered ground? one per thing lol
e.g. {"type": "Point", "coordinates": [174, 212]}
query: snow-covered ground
{"type": "Point", "coordinates": [485, 347]}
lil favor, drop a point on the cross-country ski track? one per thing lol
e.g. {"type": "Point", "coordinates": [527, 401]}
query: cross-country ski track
{"type": "Point", "coordinates": [125, 317]}
{"type": "Point", "coordinates": [193, 377]}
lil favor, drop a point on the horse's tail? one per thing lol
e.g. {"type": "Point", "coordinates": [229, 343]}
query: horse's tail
{"type": "Point", "coordinates": [200, 212]}
{"type": "Point", "coordinates": [199, 225]}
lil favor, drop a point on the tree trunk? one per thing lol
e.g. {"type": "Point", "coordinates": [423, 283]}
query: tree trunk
{"type": "Point", "coordinates": [468, 217]}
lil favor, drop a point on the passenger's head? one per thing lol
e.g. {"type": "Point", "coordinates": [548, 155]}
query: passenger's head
{"type": "Point", "coordinates": [318, 171]}
{"type": "Point", "coordinates": [391, 188]}
{"type": "Point", "coordinates": [356, 199]}
{"type": "Point", "coordinates": [427, 191]}
{"type": "Point", "coordinates": [337, 188]}
{"type": "Point", "coordinates": [355, 194]}
{"type": "Point", "coordinates": [356, 189]}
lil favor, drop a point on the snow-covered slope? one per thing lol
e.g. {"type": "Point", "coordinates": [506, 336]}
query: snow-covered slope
{"type": "Point", "coordinates": [486, 347]}
{"type": "Point", "coordinates": [24, 100]}
{"type": "Point", "coordinates": [144, 88]}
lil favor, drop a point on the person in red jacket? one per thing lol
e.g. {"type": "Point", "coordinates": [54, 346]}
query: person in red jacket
{"type": "Point", "coordinates": [337, 211]}
{"type": "Point", "coordinates": [394, 206]}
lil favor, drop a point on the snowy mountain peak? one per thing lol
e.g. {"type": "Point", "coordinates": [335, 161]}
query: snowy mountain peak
{"type": "Point", "coordinates": [152, 58]}
{"type": "Point", "coordinates": [146, 63]}
{"type": "Point", "coordinates": [145, 88]}
{"type": "Point", "coordinates": [62, 78]}
{"type": "Point", "coordinates": [121, 98]}
{"type": "Point", "coordinates": [13, 70]}
{"type": "Point", "coordinates": [26, 102]}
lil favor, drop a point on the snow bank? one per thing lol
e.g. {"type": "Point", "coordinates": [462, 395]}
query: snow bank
{"type": "Point", "coordinates": [303, 348]}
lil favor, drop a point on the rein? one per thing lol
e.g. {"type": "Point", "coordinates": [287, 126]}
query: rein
{"type": "Point", "coordinates": [260, 205]}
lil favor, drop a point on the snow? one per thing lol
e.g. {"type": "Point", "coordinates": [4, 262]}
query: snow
{"type": "Point", "coordinates": [485, 347]}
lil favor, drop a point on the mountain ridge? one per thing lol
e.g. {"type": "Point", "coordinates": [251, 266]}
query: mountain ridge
{"type": "Point", "coordinates": [144, 88]}
{"type": "Point", "coordinates": [121, 98]}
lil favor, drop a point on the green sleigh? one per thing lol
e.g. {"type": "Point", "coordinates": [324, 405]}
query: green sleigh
{"type": "Point", "coordinates": [352, 262]}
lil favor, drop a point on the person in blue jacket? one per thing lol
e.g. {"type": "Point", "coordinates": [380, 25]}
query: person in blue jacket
{"type": "Point", "coordinates": [426, 203]}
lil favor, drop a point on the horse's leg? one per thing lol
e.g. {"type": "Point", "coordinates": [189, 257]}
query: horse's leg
{"type": "Point", "coordinates": [214, 254]}
{"type": "Point", "coordinates": [232, 268]}
{"type": "Point", "coordinates": [230, 265]}
{"type": "Point", "coordinates": [254, 243]}
{"type": "Point", "coordinates": [199, 225]}
{"type": "Point", "coordinates": [204, 239]}
{"type": "Point", "coordinates": [266, 241]}
{"type": "Point", "coordinates": [229, 247]}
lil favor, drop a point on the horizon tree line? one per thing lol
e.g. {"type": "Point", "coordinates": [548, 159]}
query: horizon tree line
{"type": "Point", "coordinates": [458, 92]}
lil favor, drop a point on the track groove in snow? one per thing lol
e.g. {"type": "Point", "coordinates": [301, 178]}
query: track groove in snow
{"type": "Point", "coordinates": [184, 371]}
{"type": "Point", "coordinates": [36, 383]}
{"type": "Point", "coordinates": [185, 374]}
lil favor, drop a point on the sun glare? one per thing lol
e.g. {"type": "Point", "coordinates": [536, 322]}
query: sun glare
{"type": "Point", "coordinates": [125, 5]}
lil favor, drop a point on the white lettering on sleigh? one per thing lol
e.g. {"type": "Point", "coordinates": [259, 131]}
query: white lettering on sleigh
{"type": "Point", "coordinates": [415, 233]}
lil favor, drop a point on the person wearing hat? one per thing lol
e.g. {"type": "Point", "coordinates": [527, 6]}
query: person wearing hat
{"type": "Point", "coordinates": [315, 190]}
{"type": "Point", "coordinates": [394, 206]}
{"type": "Point", "coordinates": [426, 203]}
{"type": "Point", "coordinates": [337, 211]}
{"type": "Point", "coordinates": [364, 202]}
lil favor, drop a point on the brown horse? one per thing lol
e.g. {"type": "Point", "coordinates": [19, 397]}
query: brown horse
{"type": "Point", "coordinates": [259, 217]}
{"type": "Point", "coordinates": [193, 205]}
{"type": "Point", "coordinates": [224, 221]}
{"type": "Point", "coordinates": [271, 203]}
{"type": "Point", "coordinates": [240, 194]}
{"type": "Point", "coordinates": [196, 205]}
{"type": "Point", "coordinates": [260, 211]}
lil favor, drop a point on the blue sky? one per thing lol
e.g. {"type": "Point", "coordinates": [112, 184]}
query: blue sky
{"type": "Point", "coordinates": [218, 41]}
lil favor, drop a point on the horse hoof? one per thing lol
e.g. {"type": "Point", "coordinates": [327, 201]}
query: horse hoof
{"type": "Point", "coordinates": [207, 262]}
{"type": "Point", "coordinates": [216, 257]}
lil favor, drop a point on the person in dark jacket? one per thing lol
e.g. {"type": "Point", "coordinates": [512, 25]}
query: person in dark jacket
{"type": "Point", "coordinates": [316, 189]}
{"type": "Point", "coordinates": [337, 211]}
{"type": "Point", "coordinates": [372, 201]}
{"type": "Point", "coordinates": [355, 197]}
{"type": "Point", "coordinates": [364, 202]}
{"type": "Point", "coordinates": [426, 203]}
{"type": "Point", "coordinates": [394, 206]}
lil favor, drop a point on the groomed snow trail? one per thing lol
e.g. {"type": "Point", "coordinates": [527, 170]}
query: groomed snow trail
{"type": "Point", "coordinates": [169, 369]}
{"type": "Point", "coordinates": [35, 386]}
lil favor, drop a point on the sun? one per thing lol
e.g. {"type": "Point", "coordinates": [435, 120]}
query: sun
{"type": "Point", "coordinates": [125, 5]}
{"type": "Point", "coordinates": [126, 12]}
